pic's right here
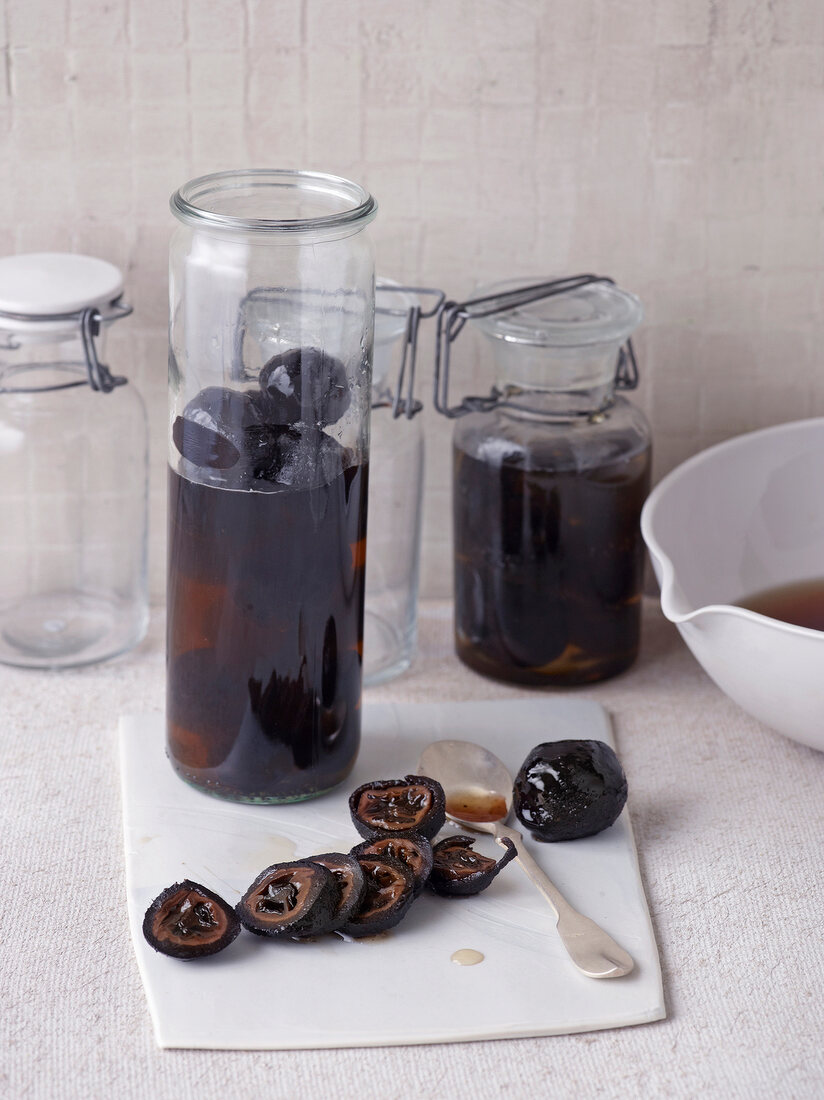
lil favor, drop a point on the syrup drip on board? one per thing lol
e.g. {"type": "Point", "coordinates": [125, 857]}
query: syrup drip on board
{"type": "Point", "coordinates": [467, 956]}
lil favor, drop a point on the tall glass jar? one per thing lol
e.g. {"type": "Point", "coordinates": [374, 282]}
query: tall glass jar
{"type": "Point", "coordinates": [395, 498]}
{"type": "Point", "coordinates": [547, 496]}
{"type": "Point", "coordinates": [73, 468]}
{"type": "Point", "coordinates": [272, 312]}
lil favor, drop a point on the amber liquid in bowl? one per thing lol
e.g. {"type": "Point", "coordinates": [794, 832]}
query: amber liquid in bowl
{"type": "Point", "coordinates": [800, 603]}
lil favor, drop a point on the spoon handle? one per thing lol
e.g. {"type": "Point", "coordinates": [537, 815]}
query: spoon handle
{"type": "Point", "coordinates": [593, 951]}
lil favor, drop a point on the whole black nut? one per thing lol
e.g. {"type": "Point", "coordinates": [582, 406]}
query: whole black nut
{"type": "Point", "coordinates": [566, 790]}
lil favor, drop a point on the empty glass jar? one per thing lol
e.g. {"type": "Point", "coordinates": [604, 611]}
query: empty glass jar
{"type": "Point", "coordinates": [73, 468]}
{"type": "Point", "coordinates": [549, 481]}
{"type": "Point", "coordinates": [395, 495]}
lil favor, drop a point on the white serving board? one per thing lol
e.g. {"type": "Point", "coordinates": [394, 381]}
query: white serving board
{"type": "Point", "coordinates": [401, 988]}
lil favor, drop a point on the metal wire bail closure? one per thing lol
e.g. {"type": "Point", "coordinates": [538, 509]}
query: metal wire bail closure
{"type": "Point", "coordinates": [401, 402]}
{"type": "Point", "coordinates": [101, 378]}
{"type": "Point", "coordinates": [408, 405]}
{"type": "Point", "coordinates": [452, 316]}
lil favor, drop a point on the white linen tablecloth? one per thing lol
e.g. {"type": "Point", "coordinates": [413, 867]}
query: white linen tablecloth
{"type": "Point", "coordinates": [729, 822]}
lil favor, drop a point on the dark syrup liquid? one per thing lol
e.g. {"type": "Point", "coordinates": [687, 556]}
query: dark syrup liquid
{"type": "Point", "coordinates": [473, 805]}
{"type": "Point", "coordinates": [801, 603]}
{"type": "Point", "coordinates": [265, 636]}
{"type": "Point", "coordinates": [548, 569]}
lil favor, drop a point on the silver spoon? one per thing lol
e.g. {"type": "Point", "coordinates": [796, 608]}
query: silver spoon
{"type": "Point", "coordinates": [478, 792]}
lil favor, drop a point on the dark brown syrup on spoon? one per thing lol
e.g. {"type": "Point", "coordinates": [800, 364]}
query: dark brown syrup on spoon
{"type": "Point", "coordinates": [476, 805]}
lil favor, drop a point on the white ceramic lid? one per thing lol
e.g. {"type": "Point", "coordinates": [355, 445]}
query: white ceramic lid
{"type": "Point", "coordinates": [47, 283]}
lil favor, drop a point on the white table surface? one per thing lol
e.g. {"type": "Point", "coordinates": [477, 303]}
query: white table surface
{"type": "Point", "coordinates": [729, 822]}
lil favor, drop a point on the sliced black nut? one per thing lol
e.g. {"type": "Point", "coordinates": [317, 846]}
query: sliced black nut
{"type": "Point", "coordinates": [570, 789]}
{"type": "Point", "coordinates": [415, 803]}
{"type": "Point", "coordinates": [189, 921]}
{"type": "Point", "coordinates": [390, 890]}
{"type": "Point", "coordinates": [411, 849]}
{"type": "Point", "coordinates": [351, 885]}
{"type": "Point", "coordinates": [290, 899]}
{"type": "Point", "coordinates": [459, 871]}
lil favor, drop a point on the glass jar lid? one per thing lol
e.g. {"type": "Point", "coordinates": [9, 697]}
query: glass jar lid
{"type": "Point", "coordinates": [597, 313]}
{"type": "Point", "coordinates": [38, 289]}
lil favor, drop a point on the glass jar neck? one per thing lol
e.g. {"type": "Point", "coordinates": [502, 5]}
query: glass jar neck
{"type": "Point", "coordinates": [557, 404]}
{"type": "Point", "coordinates": [556, 381]}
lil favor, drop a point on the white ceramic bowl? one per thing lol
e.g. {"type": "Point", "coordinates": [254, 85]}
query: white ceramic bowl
{"type": "Point", "coordinates": [738, 518]}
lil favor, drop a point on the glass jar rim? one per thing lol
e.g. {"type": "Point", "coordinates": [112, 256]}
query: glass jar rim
{"type": "Point", "coordinates": [188, 203]}
{"type": "Point", "coordinates": [598, 313]}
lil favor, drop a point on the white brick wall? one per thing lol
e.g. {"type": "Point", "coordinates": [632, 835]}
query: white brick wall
{"type": "Point", "coordinates": [676, 145]}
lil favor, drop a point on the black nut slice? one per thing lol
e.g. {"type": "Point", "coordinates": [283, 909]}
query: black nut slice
{"type": "Point", "coordinates": [188, 921]}
{"type": "Point", "coordinates": [569, 789]}
{"type": "Point", "coordinates": [351, 883]}
{"type": "Point", "coordinates": [389, 892]}
{"type": "Point", "coordinates": [411, 849]}
{"type": "Point", "coordinates": [290, 899]}
{"type": "Point", "coordinates": [415, 803]}
{"type": "Point", "coordinates": [458, 871]}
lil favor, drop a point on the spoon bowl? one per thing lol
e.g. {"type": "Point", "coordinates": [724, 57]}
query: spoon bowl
{"type": "Point", "coordinates": [477, 786]}
{"type": "Point", "coordinates": [478, 790]}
